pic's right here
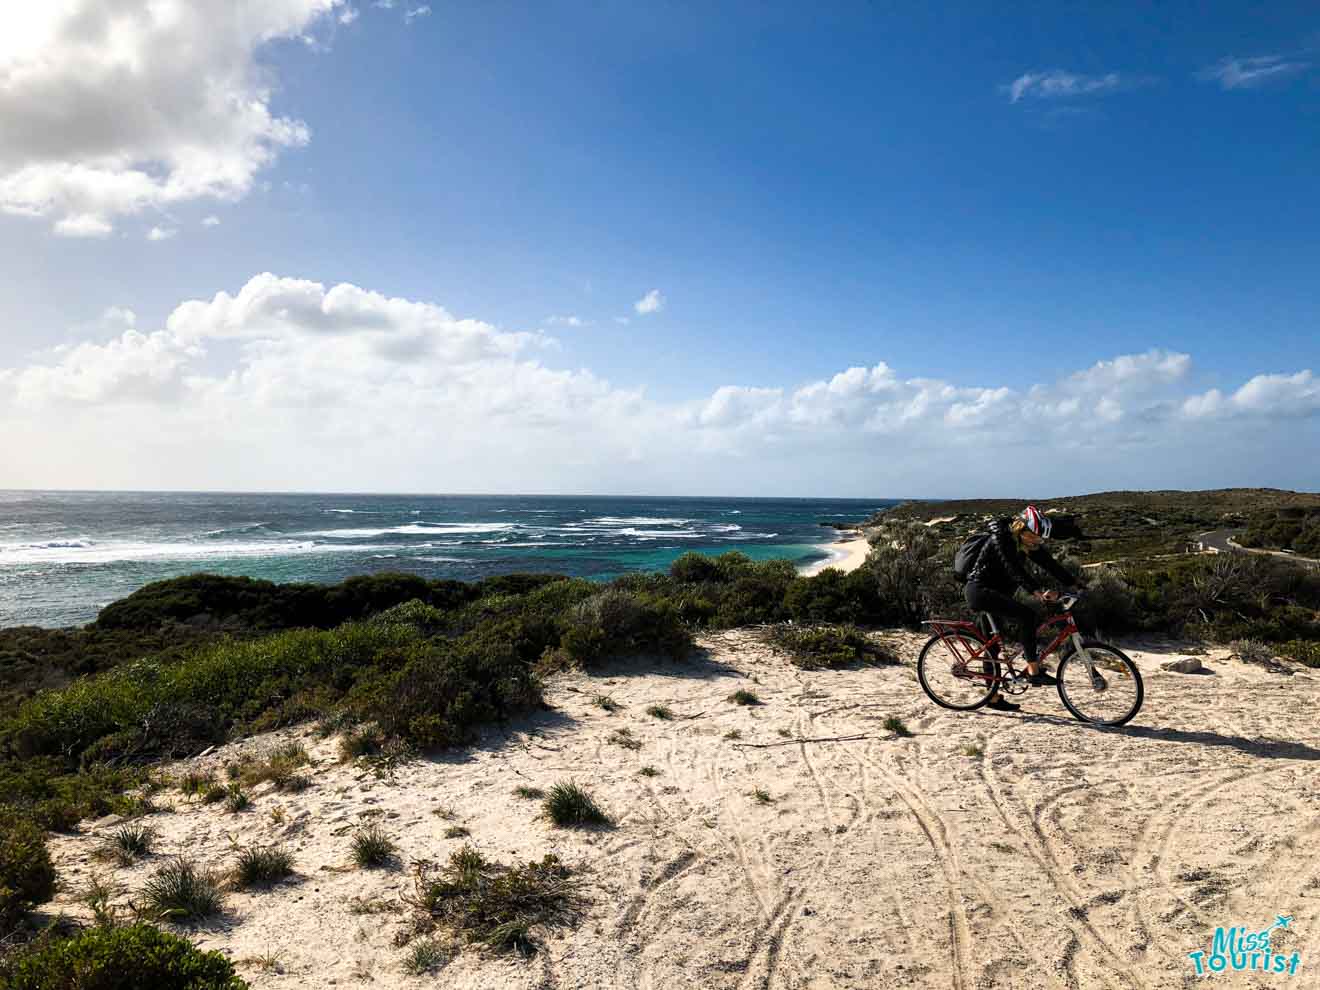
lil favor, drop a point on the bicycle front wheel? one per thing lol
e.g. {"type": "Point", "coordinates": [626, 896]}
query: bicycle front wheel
{"type": "Point", "coordinates": [949, 683]}
{"type": "Point", "coordinates": [1100, 685]}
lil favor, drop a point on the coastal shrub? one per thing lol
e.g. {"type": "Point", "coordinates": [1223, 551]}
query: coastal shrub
{"type": "Point", "coordinates": [501, 908]}
{"type": "Point", "coordinates": [1108, 605]}
{"type": "Point", "coordinates": [426, 619]}
{"type": "Point", "coordinates": [614, 623]}
{"type": "Point", "coordinates": [48, 790]}
{"type": "Point", "coordinates": [693, 568]}
{"type": "Point", "coordinates": [446, 690]}
{"type": "Point", "coordinates": [834, 596]}
{"type": "Point", "coordinates": [27, 876]}
{"type": "Point", "coordinates": [132, 957]}
{"type": "Point", "coordinates": [230, 681]}
{"type": "Point", "coordinates": [754, 593]}
{"type": "Point", "coordinates": [822, 647]}
{"type": "Point", "coordinates": [913, 575]}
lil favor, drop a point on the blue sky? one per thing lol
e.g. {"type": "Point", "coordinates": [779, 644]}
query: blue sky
{"type": "Point", "coordinates": [991, 201]}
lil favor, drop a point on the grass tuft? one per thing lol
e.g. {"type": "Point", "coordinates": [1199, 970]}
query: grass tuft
{"type": "Point", "coordinates": [568, 805]}
{"type": "Point", "coordinates": [196, 783]}
{"type": "Point", "coordinates": [126, 844]}
{"type": "Point", "coordinates": [372, 847]}
{"type": "Point", "coordinates": [606, 702]}
{"type": "Point", "coordinates": [761, 796]}
{"type": "Point", "coordinates": [895, 725]}
{"type": "Point", "coordinates": [624, 737]}
{"type": "Point", "coordinates": [649, 772]}
{"type": "Point", "coordinates": [236, 799]}
{"type": "Point", "coordinates": [500, 908]}
{"type": "Point", "coordinates": [530, 793]}
{"type": "Point", "coordinates": [261, 866]}
{"type": "Point", "coordinates": [973, 751]}
{"type": "Point", "coordinates": [426, 956]}
{"type": "Point", "coordinates": [662, 712]}
{"type": "Point", "coordinates": [744, 697]}
{"type": "Point", "coordinates": [733, 734]}
{"type": "Point", "coordinates": [457, 832]}
{"type": "Point", "coordinates": [181, 891]}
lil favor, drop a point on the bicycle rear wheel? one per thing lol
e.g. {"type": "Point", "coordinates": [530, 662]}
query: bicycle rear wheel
{"type": "Point", "coordinates": [1100, 684]}
{"type": "Point", "coordinates": [948, 683]}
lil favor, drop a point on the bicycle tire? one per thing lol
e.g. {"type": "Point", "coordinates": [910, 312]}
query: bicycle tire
{"type": "Point", "coordinates": [1095, 646]}
{"type": "Point", "coordinates": [923, 659]}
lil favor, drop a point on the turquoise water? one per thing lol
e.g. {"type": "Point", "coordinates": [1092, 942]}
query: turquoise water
{"type": "Point", "coordinates": [65, 555]}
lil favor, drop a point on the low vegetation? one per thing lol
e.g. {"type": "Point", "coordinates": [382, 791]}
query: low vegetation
{"type": "Point", "coordinates": [27, 877]}
{"type": "Point", "coordinates": [181, 891]}
{"type": "Point", "coordinates": [895, 725]}
{"type": "Point", "coordinates": [570, 806]}
{"type": "Point", "coordinates": [662, 712]}
{"type": "Point", "coordinates": [498, 907]}
{"type": "Point", "coordinates": [744, 697]}
{"type": "Point", "coordinates": [261, 866]}
{"type": "Point", "coordinates": [828, 647]}
{"type": "Point", "coordinates": [132, 957]}
{"type": "Point", "coordinates": [372, 847]}
{"type": "Point", "coordinates": [127, 844]}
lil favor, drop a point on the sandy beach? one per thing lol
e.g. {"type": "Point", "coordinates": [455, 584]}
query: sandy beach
{"type": "Point", "coordinates": [984, 850]}
{"type": "Point", "coordinates": [846, 555]}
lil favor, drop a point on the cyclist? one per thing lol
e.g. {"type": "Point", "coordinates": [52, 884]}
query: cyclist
{"type": "Point", "coordinates": [998, 570]}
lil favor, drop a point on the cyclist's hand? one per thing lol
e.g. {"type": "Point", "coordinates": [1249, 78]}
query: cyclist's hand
{"type": "Point", "coordinates": [1048, 596]}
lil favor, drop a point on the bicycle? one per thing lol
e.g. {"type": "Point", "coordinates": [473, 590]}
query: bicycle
{"type": "Point", "coordinates": [947, 675]}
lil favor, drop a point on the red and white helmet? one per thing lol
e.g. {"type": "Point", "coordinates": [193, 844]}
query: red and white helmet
{"type": "Point", "coordinates": [1036, 521]}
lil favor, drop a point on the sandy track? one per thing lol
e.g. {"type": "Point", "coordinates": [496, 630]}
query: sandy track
{"type": "Point", "coordinates": [1061, 856]}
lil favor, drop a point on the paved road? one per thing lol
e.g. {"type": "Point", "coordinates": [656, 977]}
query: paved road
{"type": "Point", "coordinates": [1222, 541]}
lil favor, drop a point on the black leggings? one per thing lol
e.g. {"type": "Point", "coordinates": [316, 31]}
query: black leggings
{"type": "Point", "coordinates": [1003, 606]}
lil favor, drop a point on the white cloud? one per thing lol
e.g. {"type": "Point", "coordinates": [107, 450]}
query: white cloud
{"type": "Point", "coordinates": [211, 221]}
{"type": "Point", "coordinates": [652, 302]}
{"type": "Point", "coordinates": [349, 15]}
{"type": "Point", "coordinates": [1274, 396]}
{"type": "Point", "coordinates": [1057, 84]}
{"type": "Point", "coordinates": [623, 321]}
{"type": "Point", "coordinates": [288, 383]}
{"type": "Point", "coordinates": [109, 109]}
{"type": "Point", "coordinates": [161, 233]}
{"type": "Point", "coordinates": [413, 13]}
{"type": "Point", "coordinates": [565, 321]}
{"type": "Point", "coordinates": [80, 225]}
{"type": "Point", "coordinates": [1245, 73]}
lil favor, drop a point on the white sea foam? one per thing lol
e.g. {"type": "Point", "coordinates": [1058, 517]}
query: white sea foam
{"type": "Point", "coordinates": [89, 552]}
{"type": "Point", "coordinates": [726, 527]}
{"type": "Point", "coordinates": [635, 521]}
{"type": "Point", "coordinates": [412, 529]}
{"type": "Point", "coordinates": [657, 533]}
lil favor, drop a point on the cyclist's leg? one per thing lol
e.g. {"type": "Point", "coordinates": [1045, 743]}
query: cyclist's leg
{"type": "Point", "coordinates": [974, 594]}
{"type": "Point", "coordinates": [1004, 607]}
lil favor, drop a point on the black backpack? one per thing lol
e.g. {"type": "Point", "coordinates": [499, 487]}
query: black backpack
{"type": "Point", "coordinates": [965, 559]}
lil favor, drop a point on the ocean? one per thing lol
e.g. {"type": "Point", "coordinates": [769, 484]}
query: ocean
{"type": "Point", "coordinates": [65, 555]}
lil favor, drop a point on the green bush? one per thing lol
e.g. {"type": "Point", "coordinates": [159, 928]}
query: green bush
{"type": "Point", "coordinates": [135, 957]}
{"type": "Point", "coordinates": [913, 572]}
{"type": "Point", "coordinates": [446, 689]}
{"type": "Point", "coordinates": [27, 877]}
{"type": "Point", "coordinates": [833, 596]}
{"type": "Point", "coordinates": [615, 622]}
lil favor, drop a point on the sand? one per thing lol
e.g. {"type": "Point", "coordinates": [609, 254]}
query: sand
{"type": "Point", "coordinates": [846, 555]}
{"type": "Point", "coordinates": [985, 850]}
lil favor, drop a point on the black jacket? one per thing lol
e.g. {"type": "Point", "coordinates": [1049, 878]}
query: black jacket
{"type": "Point", "coordinates": [1000, 564]}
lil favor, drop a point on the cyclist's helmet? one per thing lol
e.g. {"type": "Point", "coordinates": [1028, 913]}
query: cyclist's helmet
{"type": "Point", "coordinates": [1036, 521]}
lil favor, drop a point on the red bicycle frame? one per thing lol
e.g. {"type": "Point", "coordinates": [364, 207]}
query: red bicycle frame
{"type": "Point", "coordinates": [954, 634]}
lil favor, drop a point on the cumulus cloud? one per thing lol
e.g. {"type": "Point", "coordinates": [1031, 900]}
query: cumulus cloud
{"type": "Point", "coordinates": [565, 321]}
{"type": "Point", "coordinates": [287, 382]}
{"type": "Point", "coordinates": [109, 109]}
{"type": "Point", "coordinates": [348, 15]}
{"type": "Point", "coordinates": [652, 302]}
{"type": "Point", "coordinates": [1246, 73]}
{"type": "Point", "coordinates": [412, 13]}
{"type": "Point", "coordinates": [1058, 84]}
{"type": "Point", "coordinates": [161, 233]}
{"type": "Point", "coordinates": [211, 221]}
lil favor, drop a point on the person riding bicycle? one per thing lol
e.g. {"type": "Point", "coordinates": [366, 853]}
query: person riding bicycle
{"type": "Point", "coordinates": [998, 570]}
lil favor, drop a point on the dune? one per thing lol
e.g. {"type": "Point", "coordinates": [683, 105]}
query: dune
{"type": "Point", "coordinates": [983, 850]}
